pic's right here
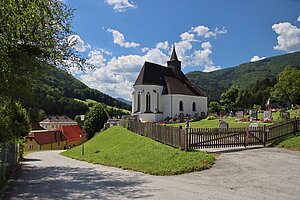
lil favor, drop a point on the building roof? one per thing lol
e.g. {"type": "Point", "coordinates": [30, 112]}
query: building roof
{"type": "Point", "coordinates": [36, 126]}
{"type": "Point", "coordinates": [72, 132]}
{"type": "Point", "coordinates": [58, 119]}
{"type": "Point", "coordinates": [46, 137]}
{"type": "Point", "coordinates": [154, 74]}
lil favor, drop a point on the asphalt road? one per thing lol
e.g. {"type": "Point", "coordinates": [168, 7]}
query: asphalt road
{"type": "Point", "coordinates": [247, 174]}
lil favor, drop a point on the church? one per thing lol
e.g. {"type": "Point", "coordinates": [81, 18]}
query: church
{"type": "Point", "coordinates": [160, 92]}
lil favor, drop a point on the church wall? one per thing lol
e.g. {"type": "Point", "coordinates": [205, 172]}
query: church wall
{"type": "Point", "coordinates": [171, 104]}
{"type": "Point", "coordinates": [155, 102]}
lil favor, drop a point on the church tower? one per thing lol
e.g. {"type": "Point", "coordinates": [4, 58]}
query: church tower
{"type": "Point", "coordinates": [175, 64]}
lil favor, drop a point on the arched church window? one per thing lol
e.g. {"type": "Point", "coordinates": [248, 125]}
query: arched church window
{"type": "Point", "coordinates": [148, 105]}
{"type": "Point", "coordinates": [180, 106]}
{"type": "Point", "coordinates": [194, 106]}
{"type": "Point", "coordinates": [139, 102]}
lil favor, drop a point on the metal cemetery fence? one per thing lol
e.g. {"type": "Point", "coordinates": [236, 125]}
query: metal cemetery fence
{"type": "Point", "coordinates": [198, 138]}
{"type": "Point", "coordinates": [9, 155]}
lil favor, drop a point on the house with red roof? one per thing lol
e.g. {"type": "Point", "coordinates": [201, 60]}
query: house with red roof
{"type": "Point", "coordinates": [45, 140]}
{"type": "Point", "coordinates": [74, 134]}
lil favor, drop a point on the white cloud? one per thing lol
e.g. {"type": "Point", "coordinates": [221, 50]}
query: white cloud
{"type": "Point", "coordinates": [289, 37]}
{"type": "Point", "coordinates": [96, 58]}
{"type": "Point", "coordinates": [256, 58]}
{"type": "Point", "coordinates": [206, 32]}
{"type": "Point", "coordinates": [182, 48]}
{"type": "Point", "coordinates": [211, 68]}
{"type": "Point", "coordinates": [298, 19]}
{"type": "Point", "coordinates": [120, 5]}
{"type": "Point", "coordinates": [116, 75]}
{"type": "Point", "coordinates": [206, 45]}
{"type": "Point", "coordinates": [120, 40]}
{"type": "Point", "coordinates": [77, 43]}
{"type": "Point", "coordinates": [145, 49]}
{"type": "Point", "coordinates": [188, 36]}
{"type": "Point", "coordinates": [163, 45]}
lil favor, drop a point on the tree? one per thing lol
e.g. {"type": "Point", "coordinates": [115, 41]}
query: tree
{"type": "Point", "coordinates": [94, 120]}
{"type": "Point", "coordinates": [215, 107]}
{"type": "Point", "coordinates": [287, 89]}
{"type": "Point", "coordinates": [78, 120]}
{"type": "Point", "coordinates": [14, 122]}
{"type": "Point", "coordinates": [33, 32]}
{"type": "Point", "coordinates": [229, 98]}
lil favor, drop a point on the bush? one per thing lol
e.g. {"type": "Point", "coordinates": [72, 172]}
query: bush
{"type": "Point", "coordinates": [211, 117]}
{"type": "Point", "coordinates": [94, 120]}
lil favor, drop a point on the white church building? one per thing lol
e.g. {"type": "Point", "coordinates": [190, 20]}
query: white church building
{"type": "Point", "coordinates": [160, 92]}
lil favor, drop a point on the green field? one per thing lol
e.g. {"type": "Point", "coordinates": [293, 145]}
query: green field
{"type": "Point", "coordinates": [121, 148]}
{"type": "Point", "coordinates": [87, 101]}
{"type": "Point", "coordinates": [290, 143]}
{"type": "Point", "coordinates": [204, 123]}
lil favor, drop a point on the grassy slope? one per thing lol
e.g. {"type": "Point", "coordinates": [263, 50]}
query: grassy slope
{"type": "Point", "coordinates": [121, 148]}
{"type": "Point", "coordinates": [87, 101]}
{"type": "Point", "coordinates": [290, 143]}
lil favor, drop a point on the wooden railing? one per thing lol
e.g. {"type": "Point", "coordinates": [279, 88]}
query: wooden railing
{"type": "Point", "coordinates": [9, 155]}
{"type": "Point", "coordinates": [172, 136]}
{"type": "Point", "coordinates": [197, 138]}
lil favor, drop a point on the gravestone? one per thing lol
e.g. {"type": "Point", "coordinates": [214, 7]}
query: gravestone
{"type": "Point", "coordinates": [240, 114]}
{"type": "Point", "coordinates": [202, 115]}
{"type": "Point", "coordinates": [253, 113]}
{"type": "Point", "coordinates": [285, 115]}
{"type": "Point", "coordinates": [181, 117]}
{"type": "Point", "coordinates": [267, 115]}
{"type": "Point", "coordinates": [196, 116]}
{"type": "Point", "coordinates": [223, 124]}
{"type": "Point", "coordinates": [253, 125]}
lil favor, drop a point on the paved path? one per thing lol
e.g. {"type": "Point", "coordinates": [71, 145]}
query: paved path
{"type": "Point", "coordinates": [249, 174]}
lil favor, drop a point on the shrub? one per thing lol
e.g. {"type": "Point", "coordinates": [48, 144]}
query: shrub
{"type": "Point", "coordinates": [211, 117]}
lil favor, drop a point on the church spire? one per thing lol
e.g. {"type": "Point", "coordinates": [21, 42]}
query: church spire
{"type": "Point", "coordinates": [175, 64]}
{"type": "Point", "coordinates": [174, 55]}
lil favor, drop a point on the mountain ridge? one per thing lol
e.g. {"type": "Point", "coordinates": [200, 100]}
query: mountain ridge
{"type": "Point", "coordinates": [217, 82]}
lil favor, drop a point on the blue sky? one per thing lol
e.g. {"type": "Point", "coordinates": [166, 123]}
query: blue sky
{"type": "Point", "coordinates": [118, 36]}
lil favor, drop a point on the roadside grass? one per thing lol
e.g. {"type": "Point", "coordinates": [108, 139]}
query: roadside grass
{"type": "Point", "coordinates": [121, 148]}
{"type": "Point", "coordinates": [292, 143]}
{"type": "Point", "coordinates": [33, 151]}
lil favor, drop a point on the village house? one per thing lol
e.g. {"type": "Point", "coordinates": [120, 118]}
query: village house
{"type": "Point", "coordinates": [161, 92]}
{"type": "Point", "coordinates": [74, 134]}
{"type": "Point", "coordinates": [53, 122]}
{"type": "Point", "coordinates": [45, 140]}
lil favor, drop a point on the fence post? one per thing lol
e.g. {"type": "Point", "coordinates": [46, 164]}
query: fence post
{"type": "Point", "coordinates": [246, 136]}
{"type": "Point", "coordinates": [266, 131]}
{"type": "Point", "coordinates": [186, 143]}
{"type": "Point", "coordinates": [295, 126]}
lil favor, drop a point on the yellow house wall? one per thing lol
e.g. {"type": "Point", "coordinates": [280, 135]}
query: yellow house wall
{"type": "Point", "coordinates": [28, 143]}
{"type": "Point", "coordinates": [53, 146]}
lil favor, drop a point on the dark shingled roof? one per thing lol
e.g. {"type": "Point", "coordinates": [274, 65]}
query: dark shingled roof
{"type": "Point", "coordinates": [154, 74]}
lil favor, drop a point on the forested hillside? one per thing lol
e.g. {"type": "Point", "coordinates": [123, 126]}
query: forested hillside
{"type": "Point", "coordinates": [55, 90]}
{"type": "Point", "coordinates": [217, 82]}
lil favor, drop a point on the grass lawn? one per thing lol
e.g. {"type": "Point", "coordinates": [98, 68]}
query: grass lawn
{"type": "Point", "coordinates": [290, 143]}
{"type": "Point", "coordinates": [119, 147]}
{"type": "Point", "coordinates": [231, 121]}
{"type": "Point", "coordinates": [204, 123]}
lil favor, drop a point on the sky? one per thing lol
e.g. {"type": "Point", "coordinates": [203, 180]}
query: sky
{"type": "Point", "coordinates": [118, 36]}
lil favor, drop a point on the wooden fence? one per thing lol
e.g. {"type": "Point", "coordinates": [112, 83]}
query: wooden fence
{"type": "Point", "coordinates": [9, 155]}
{"type": "Point", "coordinates": [169, 135]}
{"type": "Point", "coordinates": [198, 138]}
